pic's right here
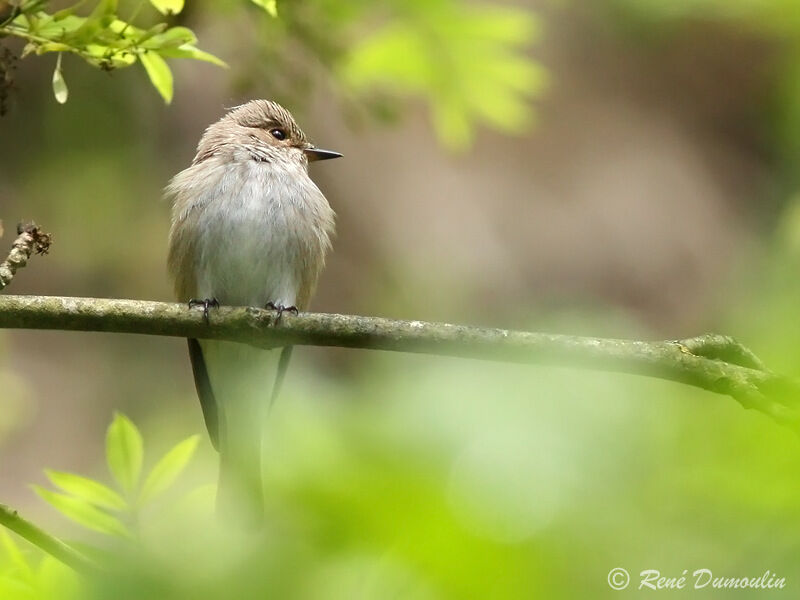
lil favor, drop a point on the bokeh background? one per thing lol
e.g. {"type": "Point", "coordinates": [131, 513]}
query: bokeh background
{"type": "Point", "coordinates": [623, 168]}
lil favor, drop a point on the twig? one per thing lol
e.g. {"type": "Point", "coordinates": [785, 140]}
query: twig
{"type": "Point", "coordinates": [715, 363]}
{"type": "Point", "coordinates": [723, 347]}
{"type": "Point", "coordinates": [31, 239]}
{"type": "Point", "coordinates": [43, 540]}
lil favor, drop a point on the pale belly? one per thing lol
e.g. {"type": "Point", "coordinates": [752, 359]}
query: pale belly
{"type": "Point", "coordinates": [258, 245]}
{"type": "Point", "coordinates": [244, 265]}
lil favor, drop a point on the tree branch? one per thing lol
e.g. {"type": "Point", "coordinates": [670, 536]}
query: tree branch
{"type": "Point", "coordinates": [712, 362]}
{"type": "Point", "coordinates": [43, 540]}
{"type": "Point", "coordinates": [31, 239]}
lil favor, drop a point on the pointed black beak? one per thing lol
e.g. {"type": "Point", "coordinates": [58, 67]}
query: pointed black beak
{"type": "Point", "coordinates": [314, 154]}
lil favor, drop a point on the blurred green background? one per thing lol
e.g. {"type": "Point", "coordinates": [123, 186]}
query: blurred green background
{"type": "Point", "coordinates": [624, 168]}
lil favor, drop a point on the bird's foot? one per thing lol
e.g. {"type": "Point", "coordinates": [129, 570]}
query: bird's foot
{"type": "Point", "coordinates": [280, 308]}
{"type": "Point", "coordinates": [206, 304]}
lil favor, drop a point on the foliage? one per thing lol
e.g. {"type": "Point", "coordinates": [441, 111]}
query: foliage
{"type": "Point", "coordinates": [411, 477]}
{"type": "Point", "coordinates": [468, 61]}
{"type": "Point", "coordinates": [271, 6]}
{"type": "Point", "coordinates": [28, 574]}
{"type": "Point", "coordinates": [454, 483]}
{"type": "Point", "coordinates": [103, 40]}
{"type": "Point", "coordinates": [101, 508]}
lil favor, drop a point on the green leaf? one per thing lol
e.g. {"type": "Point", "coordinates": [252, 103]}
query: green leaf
{"type": "Point", "coordinates": [101, 17]}
{"type": "Point", "coordinates": [168, 468]}
{"type": "Point", "coordinates": [38, 20]}
{"type": "Point", "coordinates": [189, 51]}
{"type": "Point", "coordinates": [104, 8]}
{"type": "Point", "coordinates": [121, 27]}
{"type": "Point", "coordinates": [60, 89]}
{"type": "Point", "coordinates": [168, 7]}
{"type": "Point", "coordinates": [150, 33]}
{"type": "Point", "coordinates": [58, 27]}
{"type": "Point", "coordinates": [83, 513]}
{"type": "Point", "coordinates": [109, 6]}
{"type": "Point", "coordinates": [124, 452]}
{"type": "Point", "coordinates": [87, 489]}
{"type": "Point", "coordinates": [173, 37]}
{"type": "Point", "coordinates": [159, 73]}
{"type": "Point", "coordinates": [50, 47]}
{"type": "Point", "coordinates": [271, 6]}
{"type": "Point", "coordinates": [98, 56]}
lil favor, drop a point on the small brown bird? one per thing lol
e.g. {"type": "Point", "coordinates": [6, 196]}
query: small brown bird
{"type": "Point", "coordinates": [249, 228]}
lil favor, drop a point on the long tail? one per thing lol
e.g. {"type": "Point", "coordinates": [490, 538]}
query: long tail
{"type": "Point", "coordinates": [283, 364]}
{"type": "Point", "coordinates": [233, 382]}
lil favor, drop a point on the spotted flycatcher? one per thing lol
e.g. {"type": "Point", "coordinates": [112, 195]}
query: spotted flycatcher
{"type": "Point", "coordinates": [249, 228]}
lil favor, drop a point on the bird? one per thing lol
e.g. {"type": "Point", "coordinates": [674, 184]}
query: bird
{"type": "Point", "coordinates": [249, 228]}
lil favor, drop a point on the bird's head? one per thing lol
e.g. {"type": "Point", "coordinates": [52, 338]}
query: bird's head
{"type": "Point", "coordinates": [265, 130]}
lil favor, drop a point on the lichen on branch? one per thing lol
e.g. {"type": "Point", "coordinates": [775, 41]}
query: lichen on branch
{"type": "Point", "coordinates": [31, 239]}
{"type": "Point", "coordinates": [711, 362]}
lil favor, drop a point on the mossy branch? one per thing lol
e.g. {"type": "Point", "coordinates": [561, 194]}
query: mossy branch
{"type": "Point", "coordinates": [712, 362]}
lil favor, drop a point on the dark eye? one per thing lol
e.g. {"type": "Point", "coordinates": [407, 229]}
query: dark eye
{"type": "Point", "coordinates": [278, 134]}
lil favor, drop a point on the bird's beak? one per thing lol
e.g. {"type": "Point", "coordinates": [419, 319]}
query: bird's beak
{"type": "Point", "coordinates": [314, 154]}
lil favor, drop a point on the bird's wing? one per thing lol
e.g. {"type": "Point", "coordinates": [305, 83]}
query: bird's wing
{"type": "Point", "coordinates": [203, 384]}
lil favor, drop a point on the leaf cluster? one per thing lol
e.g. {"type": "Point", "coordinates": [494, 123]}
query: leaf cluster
{"type": "Point", "coordinates": [112, 510]}
{"type": "Point", "coordinates": [104, 40]}
{"type": "Point", "coordinates": [468, 62]}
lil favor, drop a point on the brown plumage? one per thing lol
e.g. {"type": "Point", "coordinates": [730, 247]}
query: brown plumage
{"type": "Point", "coordinates": [249, 228]}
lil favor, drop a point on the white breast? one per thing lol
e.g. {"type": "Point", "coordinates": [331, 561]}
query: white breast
{"type": "Point", "coordinates": [262, 233]}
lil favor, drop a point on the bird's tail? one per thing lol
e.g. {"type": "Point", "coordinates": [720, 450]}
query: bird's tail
{"type": "Point", "coordinates": [240, 497]}
{"type": "Point", "coordinates": [240, 377]}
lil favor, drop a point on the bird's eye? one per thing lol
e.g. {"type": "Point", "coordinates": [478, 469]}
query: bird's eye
{"type": "Point", "coordinates": [278, 134]}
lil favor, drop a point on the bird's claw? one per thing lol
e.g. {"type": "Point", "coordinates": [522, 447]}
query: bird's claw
{"type": "Point", "coordinates": [206, 304]}
{"type": "Point", "coordinates": [280, 308]}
